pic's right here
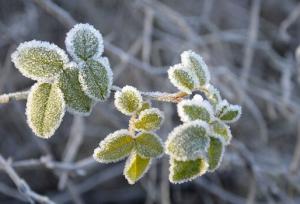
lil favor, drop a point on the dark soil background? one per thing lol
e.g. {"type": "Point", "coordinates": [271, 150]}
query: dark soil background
{"type": "Point", "coordinates": [250, 48]}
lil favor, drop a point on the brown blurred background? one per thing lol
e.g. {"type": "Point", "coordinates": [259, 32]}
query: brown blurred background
{"type": "Point", "coordinates": [249, 46]}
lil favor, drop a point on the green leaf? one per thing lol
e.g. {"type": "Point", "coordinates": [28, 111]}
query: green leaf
{"type": "Point", "coordinates": [145, 105]}
{"type": "Point", "coordinates": [128, 100]}
{"type": "Point", "coordinates": [195, 62]}
{"type": "Point", "coordinates": [182, 78]}
{"type": "Point", "coordinates": [221, 129]}
{"type": "Point", "coordinates": [76, 100]}
{"type": "Point", "coordinates": [45, 109]}
{"type": "Point", "coordinates": [115, 147]}
{"type": "Point", "coordinates": [96, 79]}
{"type": "Point", "coordinates": [231, 113]}
{"type": "Point", "coordinates": [188, 141]}
{"type": "Point", "coordinates": [183, 171]}
{"type": "Point", "coordinates": [39, 60]}
{"type": "Point", "coordinates": [195, 109]}
{"type": "Point", "coordinates": [84, 42]}
{"type": "Point", "coordinates": [149, 120]}
{"type": "Point", "coordinates": [148, 145]}
{"type": "Point", "coordinates": [135, 167]}
{"type": "Point", "coordinates": [215, 153]}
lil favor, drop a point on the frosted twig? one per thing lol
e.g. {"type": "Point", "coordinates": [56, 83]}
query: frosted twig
{"type": "Point", "coordinates": [22, 186]}
{"type": "Point", "coordinates": [252, 35]}
{"type": "Point", "coordinates": [288, 22]}
{"type": "Point", "coordinates": [5, 98]}
{"type": "Point", "coordinates": [75, 139]}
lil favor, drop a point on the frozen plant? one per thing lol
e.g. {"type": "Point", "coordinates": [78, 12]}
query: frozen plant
{"type": "Point", "coordinates": [194, 147]}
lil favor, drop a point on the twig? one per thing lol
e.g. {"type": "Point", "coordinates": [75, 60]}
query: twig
{"type": "Point", "coordinates": [148, 27]}
{"type": "Point", "coordinates": [22, 186]}
{"type": "Point", "coordinates": [288, 22]}
{"type": "Point", "coordinates": [252, 35]}
{"type": "Point", "coordinates": [295, 164]}
{"type": "Point", "coordinates": [5, 98]}
{"type": "Point", "coordinates": [74, 142]}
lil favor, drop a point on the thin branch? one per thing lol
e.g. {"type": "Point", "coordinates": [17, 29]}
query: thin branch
{"type": "Point", "coordinates": [294, 15]}
{"type": "Point", "coordinates": [252, 35]}
{"type": "Point", "coordinates": [74, 142]}
{"type": "Point", "coordinates": [6, 98]}
{"type": "Point", "coordinates": [22, 186]}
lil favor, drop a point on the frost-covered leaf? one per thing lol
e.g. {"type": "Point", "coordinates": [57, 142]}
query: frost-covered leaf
{"type": "Point", "coordinates": [45, 109]}
{"type": "Point", "coordinates": [212, 94]}
{"type": "Point", "coordinates": [83, 42]}
{"type": "Point", "coordinates": [115, 147]}
{"type": "Point", "coordinates": [188, 141]}
{"type": "Point", "coordinates": [183, 171]}
{"type": "Point", "coordinates": [182, 78]}
{"type": "Point", "coordinates": [195, 62]}
{"type": "Point", "coordinates": [145, 105]}
{"type": "Point", "coordinates": [149, 119]}
{"type": "Point", "coordinates": [39, 60]}
{"type": "Point", "coordinates": [148, 145]}
{"type": "Point", "coordinates": [221, 129]}
{"type": "Point", "coordinates": [96, 79]}
{"type": "Point", "coordinates": [215, 152]}
{"type": "Point", "coordinates": [195, 109]}
{"type": "Point", "coordinates": [128, 100]}
{"type": "Point", "coordinates": [76, 100]}
{"type": "Point", "coordinates": [231, 113]}
{"type": "Point", "coordinates": [135, 167]}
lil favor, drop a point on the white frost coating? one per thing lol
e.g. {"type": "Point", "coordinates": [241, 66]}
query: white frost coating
{"type": "Point", "coordinates": [220, 106]}
{"type": "Point", "coordinates": [71, 65]}
{"type": "Point", "coordinates": [105, 62]}
{"type": "Point", "coordinates": [37, 44]}
{"type": "Point", "coordinates": [28, 110]}
{"type": "Point", "coordinates": [232, 108]}
{"type": "Point", "coordinates": [214, 91]}
{"type": "Point", "coordinates": [118, 95]}
{"type": "Point", "coordinates": [127, 165]}
{"type": "Point", "coordinates": [203, 171]}
{"type": "Point", "coordinates": [74, 30]}
{"type": "Point", "coordinates": [185, 59]}
{"type": "Point", "coordinates": [197, 98]}
{"type": "Point", "coordinates": [196, 101]}
{"type": "Point", "coordinates": [152, 111]}
{"type": "Point", "coordinates": [174, 81]}
{"type": "Point", "coordinates": [106, 141]}
{"type": "Point", "coordinates": [176, 131]}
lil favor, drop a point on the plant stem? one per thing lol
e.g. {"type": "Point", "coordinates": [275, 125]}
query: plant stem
{"type": "Point", "coordinates": [157, 96]}
{"type": "Point", "coordinates": [5, 98]}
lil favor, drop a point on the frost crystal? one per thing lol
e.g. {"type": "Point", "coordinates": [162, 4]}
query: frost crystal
{"type": "Point", "coordinates": [84, 42]}
{"type": "Point", "coordinates": [39, 60]}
